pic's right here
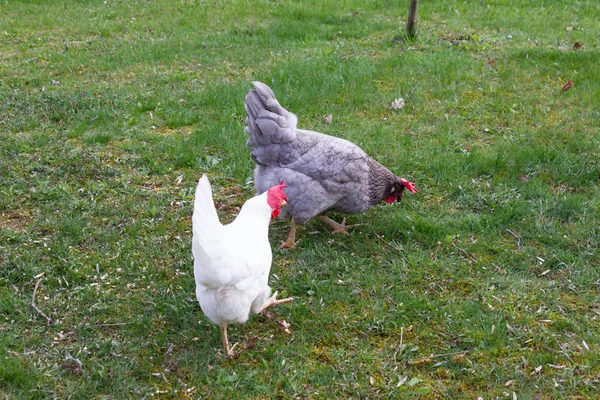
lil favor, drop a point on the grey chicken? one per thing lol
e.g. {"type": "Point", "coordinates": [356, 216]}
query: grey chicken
{"type": "Point", "coordinates": [323, 173]}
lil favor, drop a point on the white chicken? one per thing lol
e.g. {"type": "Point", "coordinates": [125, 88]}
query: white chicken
{"type": "Point", "coordinates": [232, 262]}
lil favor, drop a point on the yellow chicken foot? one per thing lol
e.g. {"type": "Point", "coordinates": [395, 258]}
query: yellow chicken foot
{"type": "Point", "coordinates": [290, 243]}
{"type": "Point", "coordinates": [228, 352]}
{"type": "Point", "coordinates": [337, 228]}
{"type": "Point", "coordinates": [272, 301]}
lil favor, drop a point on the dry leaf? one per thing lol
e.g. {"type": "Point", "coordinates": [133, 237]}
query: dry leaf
{"type": "Point", "coordinates": [577, 46]}
{"type": "Point", "coordinates": [420, 361]}
{"type": "Point", "coordinates": [328, 118]}
{"type": "Point", "coordinates": [73, 365]}
{"type": "Point", "coordinates": [251, 342]}
{"type": "Point", "coordinates": [172, 366]}
{"type": "Point", "coordinates": [459, 358]}
{"type": "Point", "coordinates": [397, 104]}
{"type": "Point", "coordinates": [585, 345]}
{"type": "Point", "coordinates": [179, 180]}
{"type": "Point", "coordinates": [536, 370]}
{"type": "Point", "coordinates": [567, 86]}
{"type": "Point", "coordinates": [557, 366]}
{"type": "Point", "coordinates": [508, 383]}
{"type": "Point", "coordinates": [510, 328]}
{"type": "Point", "coordinates": [402, 380]}
{"type": "Point", "coordinates": [284, 326]}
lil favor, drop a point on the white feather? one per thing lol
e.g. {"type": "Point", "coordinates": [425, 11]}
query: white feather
{"type": "Point", "coordinates": [231, 262]}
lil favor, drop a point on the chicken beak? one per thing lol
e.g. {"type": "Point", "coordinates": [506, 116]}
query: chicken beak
{"type": "Point", "coordinates": [283, 203]}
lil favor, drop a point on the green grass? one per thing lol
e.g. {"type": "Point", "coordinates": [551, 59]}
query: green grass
{"type": "Point", "coordinates": [105, 105]}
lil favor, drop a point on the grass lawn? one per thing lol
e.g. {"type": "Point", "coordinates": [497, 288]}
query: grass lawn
{"type": "Point", "coordinates": [484, 284]}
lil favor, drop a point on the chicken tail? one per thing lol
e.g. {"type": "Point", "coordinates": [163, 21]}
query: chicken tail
{"type": "Point", "coordinates": [267, 122]}
{"type": "Point", "coordinates": [205, 221]}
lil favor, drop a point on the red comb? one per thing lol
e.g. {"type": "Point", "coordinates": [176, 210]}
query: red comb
{"type": "Point", "coordinates": [409, 185]}
{"type": "Point", "coordinates": [275, 195]}
{"type": "Point", "coordinates": [279, 190]}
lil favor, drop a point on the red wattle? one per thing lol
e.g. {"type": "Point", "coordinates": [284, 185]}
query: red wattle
{"type": "Point", "coordinates": [390, 199]}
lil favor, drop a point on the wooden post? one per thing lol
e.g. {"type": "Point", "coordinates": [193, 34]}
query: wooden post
{"type": "Point", "coordinates": [412, 19]}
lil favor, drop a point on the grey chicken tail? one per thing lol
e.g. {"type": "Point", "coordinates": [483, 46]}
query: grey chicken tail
{"type": "Point", "coordinates": [267, 122]}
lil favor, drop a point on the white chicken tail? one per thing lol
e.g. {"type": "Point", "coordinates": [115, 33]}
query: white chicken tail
{"type": "Point", "coordinates": [268, 122]}
{"type": "Point", "coordinates": [205, 223]}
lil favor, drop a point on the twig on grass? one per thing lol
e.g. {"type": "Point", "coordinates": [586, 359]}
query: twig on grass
{"type": "Point", "coordinates": [516, 237]}
{"type": "Point", "coordinates": [399, 348]}
{"type": "Point", "coordinates": [431, 357]}
{"type": "Point", "coordinates": [358, 53]}
{"type": "Point", "coordinates": [25, 354]}
{"type": "Point", "coordinates": [48, 319]}
{"type": "Point", "coordinates": [564, 351]}
{"type": "Point", "coordinates": [395, 247]}
{"type": "Point", "coordinates": [465, 253]}
{"type": "Point", "coordinates": [113, 324]}
{"type": "Point", "coordinates": [217, 48]}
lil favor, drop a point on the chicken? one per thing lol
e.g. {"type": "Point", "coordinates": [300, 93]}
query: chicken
{"type": "Point", "coordinates": [324, 173]}
{"type": "Point", "coordinates": [232, 262]}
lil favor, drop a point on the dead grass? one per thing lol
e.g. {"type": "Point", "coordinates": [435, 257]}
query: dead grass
{"type": "Point", "coordinates": [16, 220]}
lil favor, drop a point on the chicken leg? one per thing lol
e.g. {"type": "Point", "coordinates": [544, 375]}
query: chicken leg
{"type": "Point", "coordinates": [290, 243]}
{"type": "Point", "coordinates": [272, 301]}
{"type": "Point", "coordinates": [228, 351]}
{"type": "Point", "coordinates": [337, 228]}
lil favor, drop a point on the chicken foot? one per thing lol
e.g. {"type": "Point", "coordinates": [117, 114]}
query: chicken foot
{"type": "Point", "coordinates": [272, 301]}
{"type": "Point", "coordinates": [228, 351]}
{"type": "Point", "coordinates": [337, 228]}
{"type": "Point", "coordinates": [290, 243]}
